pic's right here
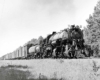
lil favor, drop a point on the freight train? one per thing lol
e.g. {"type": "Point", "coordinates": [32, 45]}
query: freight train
{"type": "Point", "coordinates": [68, 43]}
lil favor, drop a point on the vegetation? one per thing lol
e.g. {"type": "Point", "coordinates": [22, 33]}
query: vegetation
{"type": "Point", "coordinates": [40, 39]}
{"type": "Point", "coordinates": [11, 73]}
{"type": "Point", "coordinates": [14, 66]}
{"type": "Point", "coordinates": [92, 31]}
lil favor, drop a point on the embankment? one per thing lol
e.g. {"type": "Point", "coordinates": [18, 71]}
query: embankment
{"type": "Point", "coordinates": [73, 69]}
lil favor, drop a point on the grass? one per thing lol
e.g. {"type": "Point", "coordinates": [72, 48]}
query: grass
{"type": "Point", "coordinates": [14, 66]}
{"type": "Point", "coordinates": [95, 67]}
{"type": "Point", "coordinates": [11, 73]}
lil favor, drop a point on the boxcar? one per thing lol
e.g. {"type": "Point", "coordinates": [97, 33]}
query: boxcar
{"type": "Point", "coordinates": [24, 51]}
{"type": "Point", "coordinates": [20, 52]}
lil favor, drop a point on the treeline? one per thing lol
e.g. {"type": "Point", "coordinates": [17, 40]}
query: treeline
{"type": "Point", "coordinates": [92, 30]}
{"type": "Point", "coordinates": [34, 41]}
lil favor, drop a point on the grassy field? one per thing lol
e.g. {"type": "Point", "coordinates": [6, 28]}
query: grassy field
{"type": "Point", "coordinates": [15, 72]}
{"type": "Point", "coordinates": [11, 73]}
{"type": "Point", "coordinates": [50, 69]}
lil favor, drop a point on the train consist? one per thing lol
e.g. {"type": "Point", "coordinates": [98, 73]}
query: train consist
{"type": "Point", "coordinates": [68, 43]}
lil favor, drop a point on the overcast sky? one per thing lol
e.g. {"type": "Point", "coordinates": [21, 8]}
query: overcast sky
{"type": "Point", "coordinates": [22, 20]}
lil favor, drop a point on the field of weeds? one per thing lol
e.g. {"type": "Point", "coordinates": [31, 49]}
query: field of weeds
{"type": "Point", "coordinates": [13, 72]}
{"type": "Point", "coordinates": [19, 72]}
{"type": "Point", "coordinates": [48, 69]}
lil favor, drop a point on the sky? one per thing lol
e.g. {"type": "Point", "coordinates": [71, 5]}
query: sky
{"type": "Point", "coordinates": [22, 20]}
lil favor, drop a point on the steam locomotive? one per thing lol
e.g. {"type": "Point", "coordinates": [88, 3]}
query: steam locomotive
{"type": "Point", "coordinates": [68, 43]}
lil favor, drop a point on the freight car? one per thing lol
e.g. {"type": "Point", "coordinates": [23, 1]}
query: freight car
{"type": "Point", "coordinates": [68, 43]}
{"type": "Point", "coordinates": [20, 53]}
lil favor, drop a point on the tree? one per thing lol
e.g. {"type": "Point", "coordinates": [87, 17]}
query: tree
{"type": "Point", "coordinates": [93, 27]}
{"type": "Point", "coordinates": [40, 39]}
{"type": "Point", "coordinates": [92, 31]}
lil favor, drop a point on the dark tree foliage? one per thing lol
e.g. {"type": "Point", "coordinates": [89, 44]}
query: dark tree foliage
{"type": "Point", "coordinates": [33, 41]}
{"type": "Point", "coordinates": [40, 39]}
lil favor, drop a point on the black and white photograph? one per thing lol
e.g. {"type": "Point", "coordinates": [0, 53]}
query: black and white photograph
{"type": "Point", "coordinates": [49, 39]}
